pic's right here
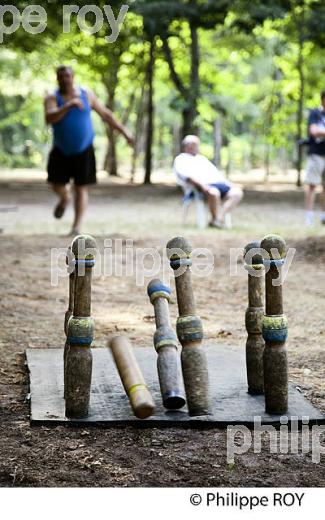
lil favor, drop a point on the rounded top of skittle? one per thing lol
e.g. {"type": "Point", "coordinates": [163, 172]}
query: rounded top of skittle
{"type": "Point", "coordinates": [84, 247]}
{"type": "Point", "coordinates": [176, 246]}
{"type": "Point", "coordinates": [274, 242]}
{"type": "Point", "coordinates": [255, 258]}
{"type": "Point", "coordinates": [153, 283]}
{"type": "Point", "coordinates": [156, 288]}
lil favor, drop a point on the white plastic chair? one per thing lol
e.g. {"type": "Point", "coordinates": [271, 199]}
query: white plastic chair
{"type": "Point", "coordinates": [195, 196]}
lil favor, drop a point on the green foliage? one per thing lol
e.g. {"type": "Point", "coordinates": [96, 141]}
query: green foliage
{"type": "Point", "coordinates": [248, 75]}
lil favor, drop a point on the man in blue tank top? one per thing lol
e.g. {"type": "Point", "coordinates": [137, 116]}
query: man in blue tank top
{"type": "Point", "coordinates": [68, 110]}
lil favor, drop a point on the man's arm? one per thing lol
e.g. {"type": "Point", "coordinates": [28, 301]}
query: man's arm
{"type": "Point", "coordinates": [108, 117]}
{"type": "Point", "coordinates": [315, 129]}
{"type": "Point", "coordinates": [197, 185]}
{"type": "Point", "coordinates": [54, 113]}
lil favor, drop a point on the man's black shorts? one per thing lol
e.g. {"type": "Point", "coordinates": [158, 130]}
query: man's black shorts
{"type": "Point", "coordinates": [82, 167]}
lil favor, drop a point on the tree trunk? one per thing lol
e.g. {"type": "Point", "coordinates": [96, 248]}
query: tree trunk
{"type": "Point", "coordinates": [189, 94]}
{"type": "Point", "coordinates": [193, 93]}
{"type": "Point", "coordinates": [267, 162]}
{"type": "Point", "coordinates": [150, 114]}
{"type": "Point", "coordinates": [253, 150]}
{"type": "Point", "coordinates": [217, 142]}
{"type": "Point", "coordinates": [189, 115]}
{"type": "Point", "coordinates": [111, 81]}
{"type": "Point", "coordinates": [228, 165]}
{"type": "Point", "coordinates": [129, 108]}
{"type": "Point", "coordinates": [138, 133]}
{"type": "Point", "coordinates": [176, 133]}
{"type": "Point", "coordinates": [110, 163]}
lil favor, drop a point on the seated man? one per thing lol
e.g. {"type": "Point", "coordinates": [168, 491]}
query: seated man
{"type": "Point", "coordinates": [194, 171]}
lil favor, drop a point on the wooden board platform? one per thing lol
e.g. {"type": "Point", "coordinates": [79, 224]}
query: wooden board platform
{"type": "Point", "coordinates": [231, 404]}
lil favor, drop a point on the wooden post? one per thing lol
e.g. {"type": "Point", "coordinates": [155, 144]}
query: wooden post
{"type": "Point", "coordinates": [80, 331]}
{"type": "Point", "coordinates": [275, 328]}
{"type": "Point", "coordinates": [134, 384]}
{"type": "Point", "coordinates": [189, 329]}
{"type": "Point", "coordinates": [165, 341]}
{"type": "Point", "coordinates": [253, 318]}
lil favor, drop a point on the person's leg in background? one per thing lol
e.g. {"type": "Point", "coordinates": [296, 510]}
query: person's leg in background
{"type": "Point", "coordinates": [231, 201]}
{"type": "Point", "coordinates": [81, 198]}
{"type": "Point", "coordinates": [322, 218]}
{"type": "Point", "coordinates": [59, 179]}
{"type": "Point", "coordinates": [84, 174]}
{"type": "Point", "coordinates": [314, 172]}
{"type": "Point", "coordinates": [323, 197]}
{"type": "Point", "coordinates": [63, 192]}
{"type": "Point", "coordinates": [213, 200]}
{"type": "Point", "coordinates": [310, 204]}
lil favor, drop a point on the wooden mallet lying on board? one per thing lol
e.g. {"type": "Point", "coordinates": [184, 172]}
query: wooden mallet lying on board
{"type": "Point", "coordinates": [131, 376]}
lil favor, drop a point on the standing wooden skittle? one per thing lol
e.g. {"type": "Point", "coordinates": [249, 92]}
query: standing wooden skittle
{"type": "Point", "coordinates": [80, 334]}
{"type": "Point", "coordinates": [275, 328]}
{"type": "Point", "coordinates": [253, 318]}
{"type": "Point", "coordinates": [165, 341]}
{"type": "Point", "coordinates": [189, 329]}
{"type": "Point", "coordinates": [131, 376]}
{"type": "Point", "coordinates": [69, 312]}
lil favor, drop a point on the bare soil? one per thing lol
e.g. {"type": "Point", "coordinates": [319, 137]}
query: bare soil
{"type": "Point", "coordinates": [32, 313]}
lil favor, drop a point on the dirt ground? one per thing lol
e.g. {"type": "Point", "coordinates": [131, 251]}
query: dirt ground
{"type": "Point", "coordinates": [32, 312]}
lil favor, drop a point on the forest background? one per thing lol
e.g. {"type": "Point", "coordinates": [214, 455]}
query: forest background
{"type": "Point", "coordinates": [242, 75]}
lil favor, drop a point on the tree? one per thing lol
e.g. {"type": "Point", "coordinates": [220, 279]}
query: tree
{"type": "Point", "coordinates": [182, 20]}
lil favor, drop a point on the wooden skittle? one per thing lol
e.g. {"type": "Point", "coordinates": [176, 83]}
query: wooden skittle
{"type": "Point", "coordinates": [189, 329]}
{"type": "Point", "coordinates": [165, 342]}
{"type": "Point", "coordinates": [80, 331]}
{"type": "Point", "coordinates": [275, 328]}
{"type": "Point", "coordinates": [253, 318]}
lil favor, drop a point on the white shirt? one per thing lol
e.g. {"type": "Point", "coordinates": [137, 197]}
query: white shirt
{"type": "Point", "coordinates": [196, 168]}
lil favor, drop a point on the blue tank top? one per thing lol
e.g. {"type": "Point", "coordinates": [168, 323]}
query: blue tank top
{"type": "Point", "coordinates": [75, 132]}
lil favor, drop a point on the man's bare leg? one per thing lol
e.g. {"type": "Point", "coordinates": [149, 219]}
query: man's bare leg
{"type": "Point", "coordinates": [213, 200]}
{"type": "Point", "coordinates": [323, 205]}
{"type": "Point", "coordinates": [80, 207]}
{"type": "Point", "coordinates": [63, 192]}
{"type": "Point", "coordinates": [233, 198]}
{"type": "Point", "coordinates": [310, 197]}
{"type": "Point", "coordinates": [310, 203]}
